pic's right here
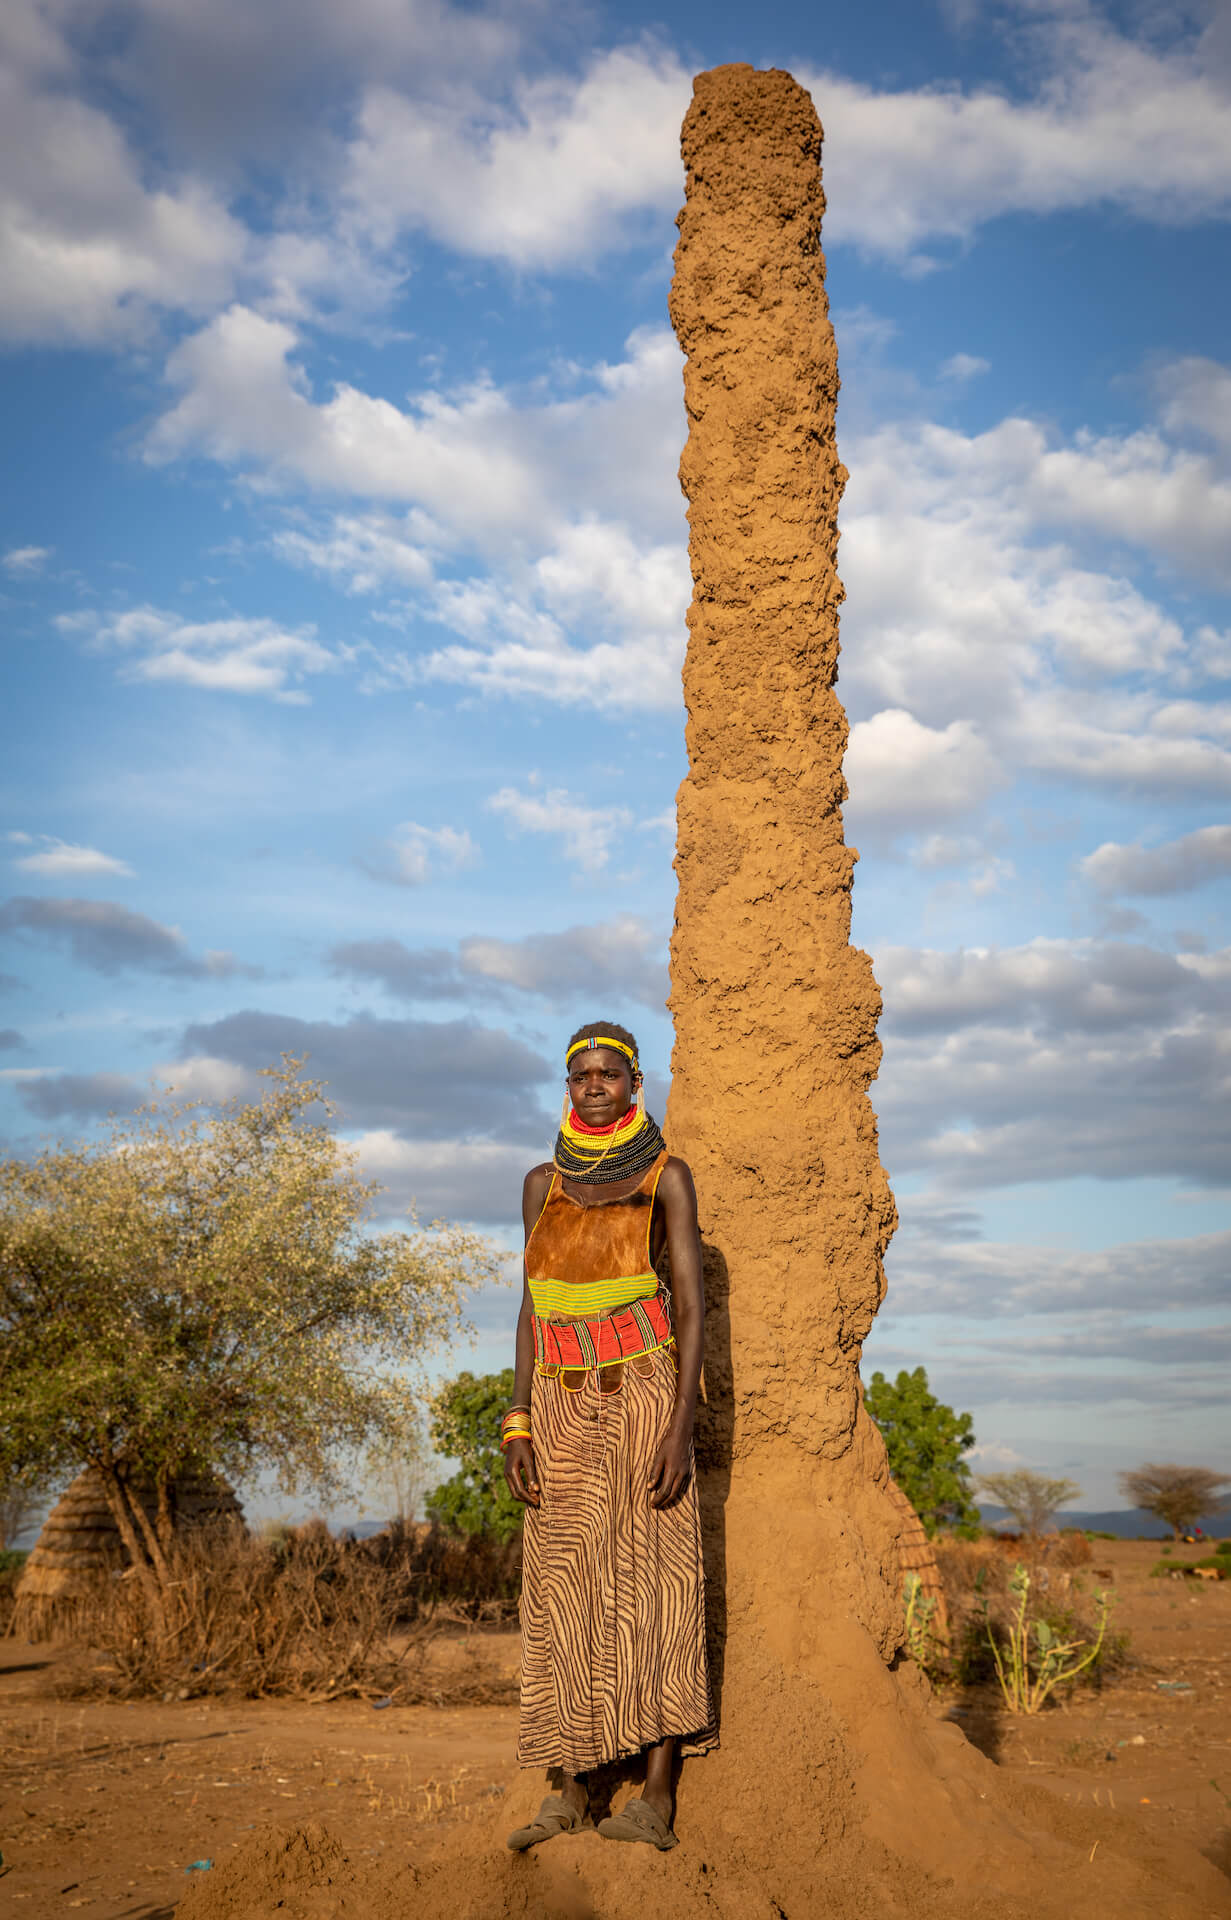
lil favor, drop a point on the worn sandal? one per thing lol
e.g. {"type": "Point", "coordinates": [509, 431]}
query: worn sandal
{"type": "Point", "coordinates": [553, 1817]}
{"type": "Point", "coordinates": [637, 1820]}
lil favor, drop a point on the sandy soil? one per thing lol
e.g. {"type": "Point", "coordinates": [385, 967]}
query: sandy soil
{"type": "Point", "coordinates": [106, 1805]}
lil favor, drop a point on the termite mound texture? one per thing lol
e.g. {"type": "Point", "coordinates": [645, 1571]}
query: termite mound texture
{"type": "Point", "coordinates": [837, 1791]}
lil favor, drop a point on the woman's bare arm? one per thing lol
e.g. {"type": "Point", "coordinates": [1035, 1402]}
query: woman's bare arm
{"type": "Point", "coordinates": [519, 1469]}
{"type": "Point", "coordinates": [678, 1198]}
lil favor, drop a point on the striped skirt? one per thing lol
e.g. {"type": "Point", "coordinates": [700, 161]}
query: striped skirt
{"type": "Point", "coordinates": [613, 1594]}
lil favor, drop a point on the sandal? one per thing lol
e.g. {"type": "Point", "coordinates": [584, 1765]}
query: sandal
{"type": "Point", "coordinates": [553, 1817]}
{"type": "Point", "coordinates": [638, 1820]}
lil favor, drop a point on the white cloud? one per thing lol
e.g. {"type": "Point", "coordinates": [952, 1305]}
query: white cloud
{"type": "Point", "coordinates": [25, 563]}
{"type": "Point", "coordinates": [237, 655]}
{"type": "Point", "coordinates": [904, 169]}
{"type": "Point", "coordinates": [479, 1180]}
{"type": "Point", "coordinates": [1196, 397]}
{"type": "Point", "coordinates": [88, 246]}
{"type": "Point", "coordinates": [59, 859]}
{"type": "Point", "coordinates": [964, 366]}
{"type": "Point", "coordinates": [1055, 1060]}
{"type": "Point", "coordinates": [111, 939]}
{"type": "Point", "coordinates": [367, 552]}
{"type": "Point", "coordinates": [907, 776]}
{"type": "Point", "coordinates": [971, 596]}
{"type": "Point", "coordinates": [1175, 867]}
{"type": "Point", "coordinates": [417, 853]}
{"type": "Point", "coordinates": [481, 464]}
{"type": "Point", "coordinates": [570, 168]}
{"type": "Point", "coordinates": [586, 833]}
{"type": "Point", "coordinates": [570, 503]}
{"type": "Point", "coordinates": [618, 957]}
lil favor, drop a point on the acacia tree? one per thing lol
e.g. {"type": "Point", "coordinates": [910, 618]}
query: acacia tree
{"type": "Point", "coordinates": [925, 1441]}
{"type": "Point", "coordinates": [199, 1290]}
{"type": "Point", "coordinates": [1177, 1495]}
{"type": "Point", "coordinates": [1031, 1498]}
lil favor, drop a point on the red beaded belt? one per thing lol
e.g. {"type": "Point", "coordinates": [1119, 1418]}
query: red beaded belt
{"type": "Point", "coordinates": [605, 1341]}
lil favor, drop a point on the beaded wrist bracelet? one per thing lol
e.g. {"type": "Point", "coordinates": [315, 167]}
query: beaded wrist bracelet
{"type": "Point", "coordinates": [515, 1426]}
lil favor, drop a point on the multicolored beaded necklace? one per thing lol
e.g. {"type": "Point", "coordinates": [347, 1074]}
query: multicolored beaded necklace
{"type": "Point", "coordinates": [594, 1155]}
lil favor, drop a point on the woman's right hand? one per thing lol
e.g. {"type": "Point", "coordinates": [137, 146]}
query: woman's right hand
{"type": "Point", "coordinates": [519, 1473]}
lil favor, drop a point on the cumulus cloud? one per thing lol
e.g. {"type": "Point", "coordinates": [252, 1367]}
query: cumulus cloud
{"type": "Point", "coordinates": [421, 1078]}
{"type": "Point", "coordinates": [406, 973]}
{"type": "Point", "coordinates": [413, 854]}
{"type": "Point", "coordinates": [10, 1040]}
{"type": "Point", "coordinates": [585, 833]}
{"type": "Point", "coordinates": [479, 1180]}
{"type": "Point", "coordinates": [452, 132]}
{"type": "Point", "coordinates": [908, 775]}
{"type": "Point", "coordinates": [91, 240]}
{"type": "Point", "coordinates": [60, 859]}
{"type": "Point", "coordinates": [364, 553]}
{"type": "Point", "coordinates": [569, 504]}
{"type": "Point", "coordinates": [25, 563]}
{"type": "Point", "coordinates": [618, 959]}
{"type": "Point", "coordinates": [248, 656]}
{"type": "Point", "coordinates": [1195, 393]}
{"type": "Point", "coordinates": [1036, 1326]}
{"type": "Point", "coordinates": [92, 1096]}
{"type": "Point", "coordinates": [964, 366]}
{"type": "Point", "coordinates": [80, 1096]}
{"type": "Point", "coordinates": [571, 167]}
{"type": "Point", "coordinates": [1000, 1281]}
{"type": "Point", "coordinates": [910, 168]}
{"type": "Point", "coordinates": [1178, 866]}
{"type": "Point", "coordinates": [479, 461]}
{"type": "Point", "coordinates": [1055, 1060]}
{"type": "Point", "coordinates": [110, 939]}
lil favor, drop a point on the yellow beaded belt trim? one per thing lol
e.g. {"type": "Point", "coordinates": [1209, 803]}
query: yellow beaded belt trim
{"type": "Point", "coordinates": [561, 1298]}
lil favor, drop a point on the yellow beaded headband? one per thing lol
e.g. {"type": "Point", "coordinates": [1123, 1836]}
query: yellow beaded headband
{"type": "Point", "coordinates": [602, 1040]}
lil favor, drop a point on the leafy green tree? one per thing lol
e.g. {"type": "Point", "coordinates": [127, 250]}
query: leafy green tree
{"type": "Point", "coordinates": [925, 1441]}
{"type": "Point", "coordinates": [1033, 1499]}
{"type": "Point", "coordinates": [465, 1426]}
{"type": "Point", "coordinates": [1180, 1496]}
{"type": "Point", "coordinates": [199, 1290]}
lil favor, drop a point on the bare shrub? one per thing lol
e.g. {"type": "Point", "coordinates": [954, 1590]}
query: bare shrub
{"type": "Point", "coordinates": [302, 1614]}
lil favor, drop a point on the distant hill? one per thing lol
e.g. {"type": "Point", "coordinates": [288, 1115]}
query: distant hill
{"type": "Point", "coordinates": [1127, 1523]}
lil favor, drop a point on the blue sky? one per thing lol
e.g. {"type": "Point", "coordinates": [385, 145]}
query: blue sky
{"type": "Point", "coordinates": [343, 573]}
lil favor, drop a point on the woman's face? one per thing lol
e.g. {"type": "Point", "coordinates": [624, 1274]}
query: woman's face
{"type": "Point", "coordinates": [600, 1083]}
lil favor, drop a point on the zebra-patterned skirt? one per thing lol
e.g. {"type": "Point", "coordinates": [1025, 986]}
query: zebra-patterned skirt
{"type": "Point", "coordinates": [613, 1594]}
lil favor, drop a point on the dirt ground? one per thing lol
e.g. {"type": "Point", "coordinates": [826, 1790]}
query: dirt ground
{"type": "Point", "coordinates": [106, 1807]}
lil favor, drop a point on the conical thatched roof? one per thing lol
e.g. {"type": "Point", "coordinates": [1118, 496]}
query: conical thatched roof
{"type": "Point", "coordinates": [915, 1556]}
{"type": "Point", "coordinates": [80, 1542]}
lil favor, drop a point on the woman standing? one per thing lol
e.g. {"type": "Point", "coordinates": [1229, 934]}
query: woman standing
{"type": "Point", "coordinates": [598, 1446]}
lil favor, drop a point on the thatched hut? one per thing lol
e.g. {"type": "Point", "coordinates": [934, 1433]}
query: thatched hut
{"type": "Point", "coordinates": [80, 1544]}
{"type": "Point", "coordinates": [915, 1556]}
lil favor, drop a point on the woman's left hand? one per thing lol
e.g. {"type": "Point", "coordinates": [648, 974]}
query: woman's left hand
{"type": "Point", "coordinates": [670, 1467]}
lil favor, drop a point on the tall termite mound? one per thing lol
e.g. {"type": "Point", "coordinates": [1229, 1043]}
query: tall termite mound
{"type": "Point", "coordinates": [837, 1789]}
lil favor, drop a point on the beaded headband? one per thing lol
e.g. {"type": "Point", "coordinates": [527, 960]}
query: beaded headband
{"type": "Point", "coordinates": [602, 1040]}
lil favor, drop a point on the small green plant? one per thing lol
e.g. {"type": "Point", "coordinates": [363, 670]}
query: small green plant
{"type": "Point", "coordinates": [1166, 1549]}
{"type": "Point", "coordinates": [1033, 1661]}
{"type": "Point", "coordinates": [922, 1641]}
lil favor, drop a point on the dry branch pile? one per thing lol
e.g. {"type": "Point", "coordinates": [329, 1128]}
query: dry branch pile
{"type": "Point", "coordinates": [303, 1614]}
